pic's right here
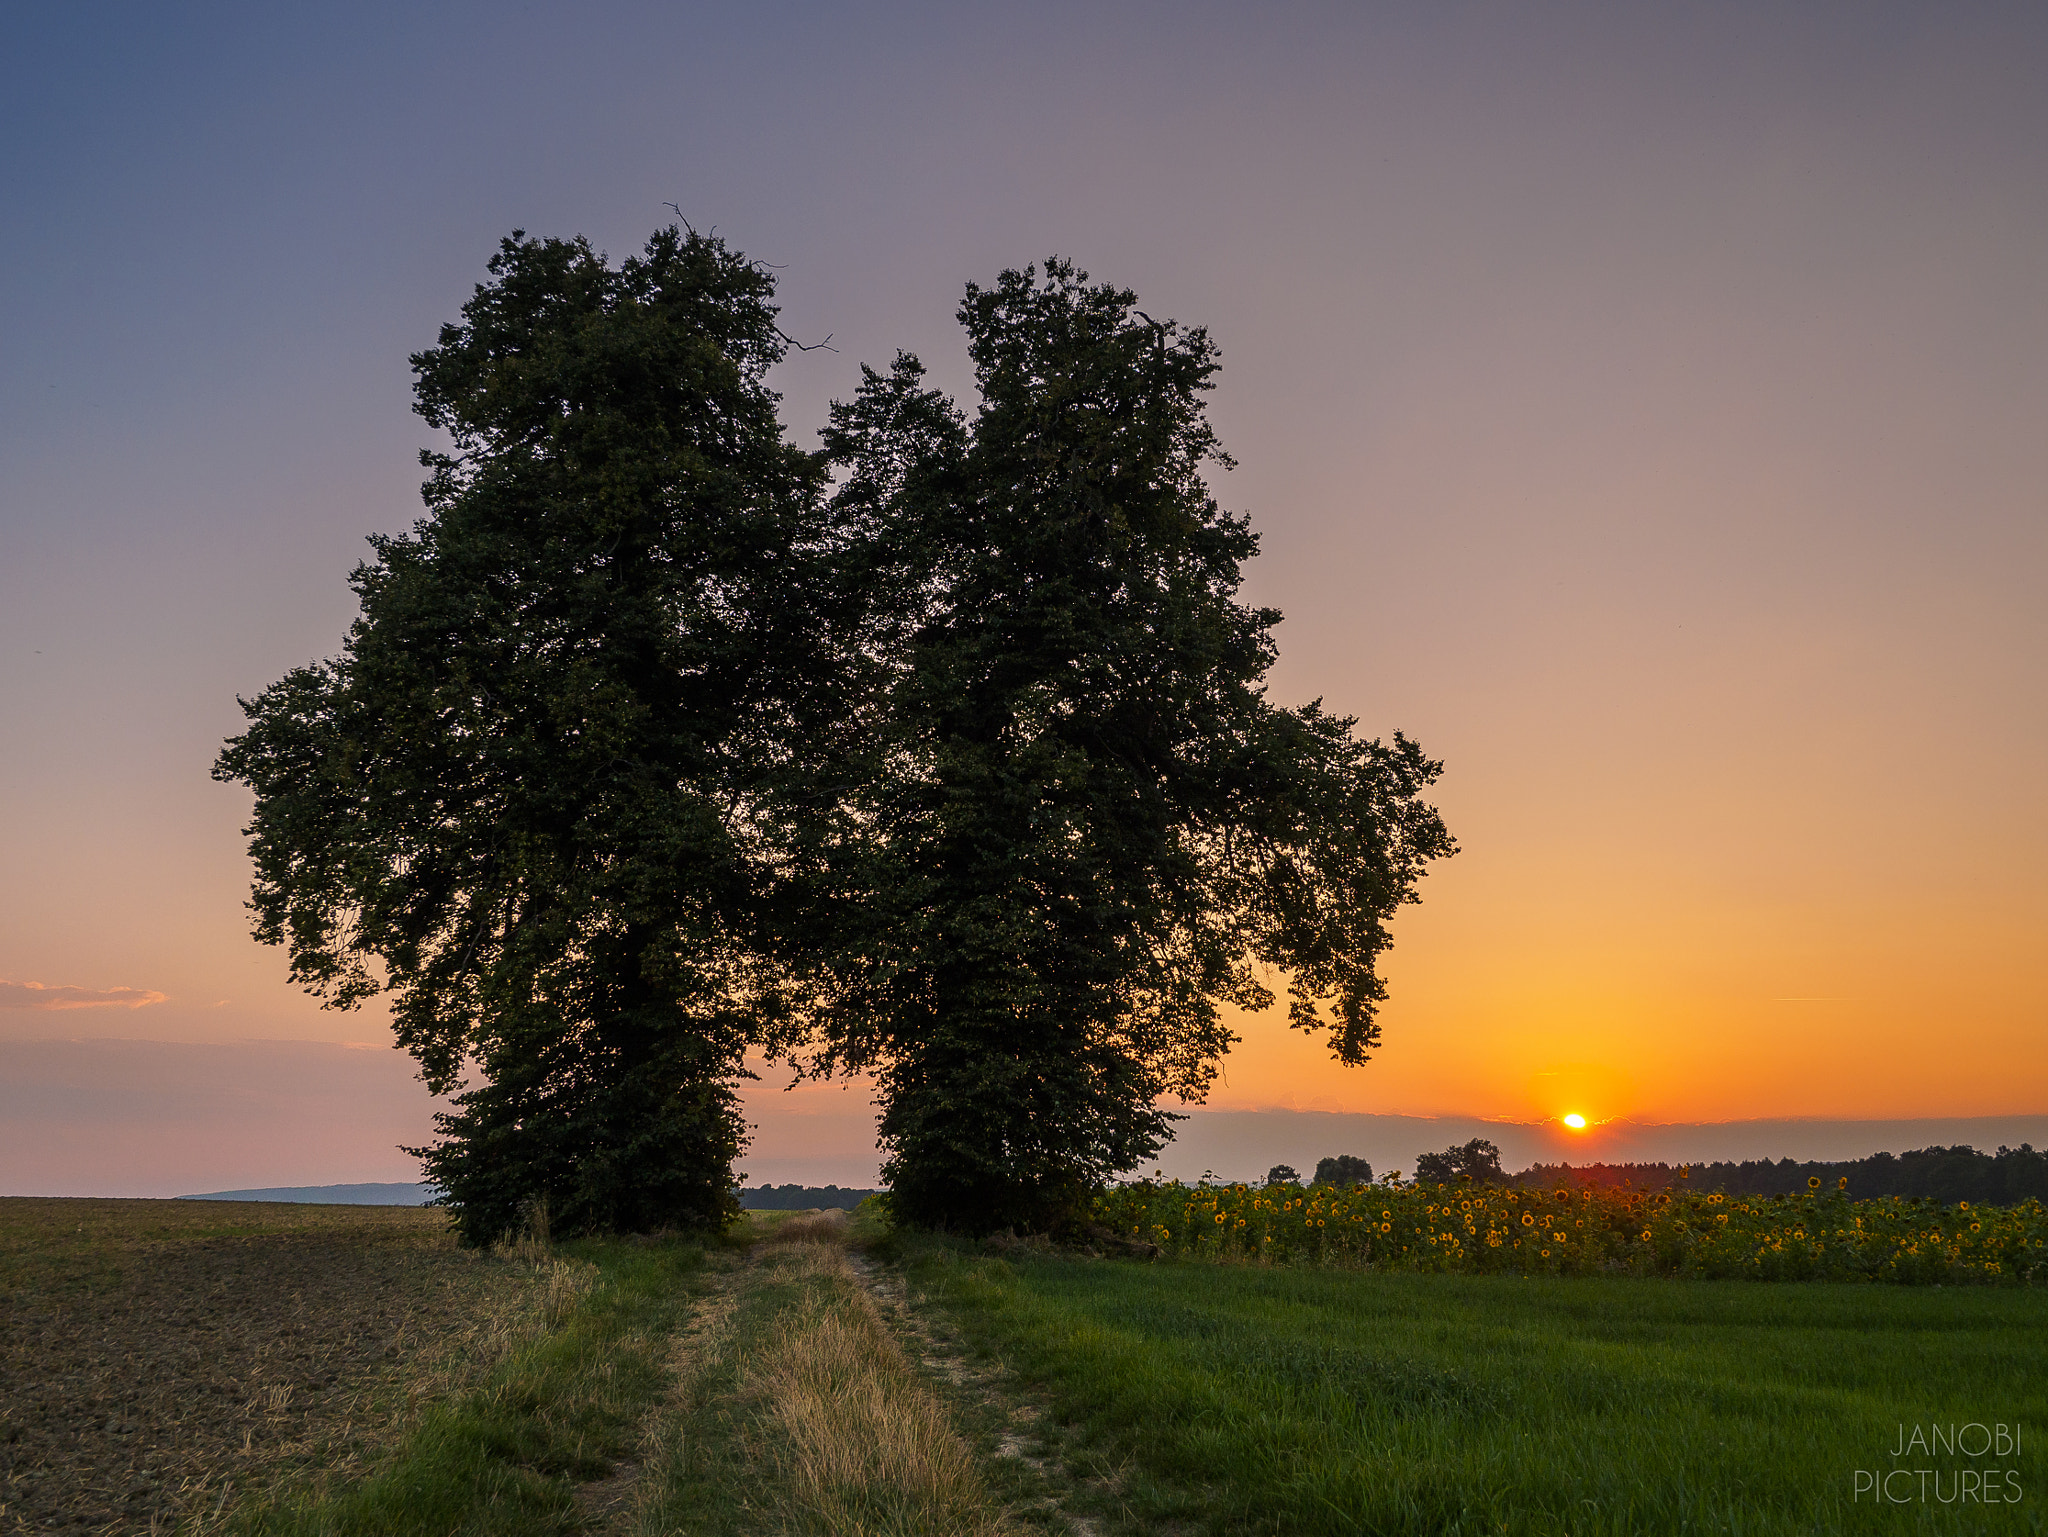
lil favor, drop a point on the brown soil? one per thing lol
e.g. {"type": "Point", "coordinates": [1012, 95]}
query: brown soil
{"type": "Point", "coordinates": [157, 1355]}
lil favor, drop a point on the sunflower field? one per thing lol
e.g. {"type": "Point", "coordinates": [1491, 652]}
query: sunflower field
{"type": "Point", "coordinates": [1476, 1229]}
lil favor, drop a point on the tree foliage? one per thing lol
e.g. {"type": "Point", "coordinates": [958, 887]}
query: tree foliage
{"type": "Point", "coordinates": [535, 799]}
{"type": "Point", "coordinates": [1082, 828]}
{"type": "Point", "coordinates": [643, 749]}
{"type": "Point", "coordinates": [1478, 1161]}
{"type": "Point", "coordinates": [1343, 1169]}
{"type": "Point", "coordinates": [1946, 1174]}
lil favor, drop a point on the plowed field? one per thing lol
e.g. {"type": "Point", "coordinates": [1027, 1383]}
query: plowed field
{"type": "Point", "coordinates": [156, 1355]}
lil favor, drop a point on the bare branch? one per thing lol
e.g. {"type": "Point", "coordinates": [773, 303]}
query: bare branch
{"type": "Point", "coordinates": [825, 345]}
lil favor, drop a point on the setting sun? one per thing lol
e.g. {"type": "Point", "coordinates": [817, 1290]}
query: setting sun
{"type": "Point", "coordinates": [1575, 1121]}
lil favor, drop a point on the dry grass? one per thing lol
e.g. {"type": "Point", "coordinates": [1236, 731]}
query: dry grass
{"type": "Point", "coordinates": [863, 1448]}
{"type": "Point", "coordinates": [793, 1411]}
{"type": "Point", "coordinates": [807, 1227]}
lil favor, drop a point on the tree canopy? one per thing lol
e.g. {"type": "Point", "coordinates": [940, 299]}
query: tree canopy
{"type": "Point", "coordinates": [1343, 1169]}
{"type": "Point", "coordinates": [535, 799]}
{"type": "Point", "coordinates": [1478, 1161]}
{"type": "Point", "coordinates": [945, 754]}
{"type": "Point", "coordinates": [1083, 828]}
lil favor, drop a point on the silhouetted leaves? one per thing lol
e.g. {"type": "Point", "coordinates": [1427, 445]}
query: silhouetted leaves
{"type": "Point", "coordinates": [1083, 827]}
{"type": "Point", "coordinates": [1477, 1160]}
{"type": "Point", "coordinates": [536, 798]}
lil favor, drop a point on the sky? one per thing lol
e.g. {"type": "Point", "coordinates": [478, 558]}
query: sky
{"type": "Point", "coordinates": [1640, 406]}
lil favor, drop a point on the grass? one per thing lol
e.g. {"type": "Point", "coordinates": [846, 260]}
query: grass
{"type": "Point", "coordinates": [1241, 1399]}
{"type": "Point", "coordinates": [777, 1384]}
{"type": "Point", "coordinates": [861, 1444]}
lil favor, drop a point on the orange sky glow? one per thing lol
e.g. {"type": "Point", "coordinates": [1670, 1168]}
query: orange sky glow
{"type": "Point", "coordinates": [1642, 412]}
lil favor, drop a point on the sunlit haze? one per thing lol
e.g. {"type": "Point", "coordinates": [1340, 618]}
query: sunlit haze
{"type": "Point", "coordinates": [1642, 407]}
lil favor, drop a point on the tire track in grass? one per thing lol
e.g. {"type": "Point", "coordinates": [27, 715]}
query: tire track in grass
{"type": "Point", "coordinates": [798, 1412]}
{"type": "Point", "coordinates": [1011, 1423]}
{"type": "Point", "coordinates": [622, 1502]}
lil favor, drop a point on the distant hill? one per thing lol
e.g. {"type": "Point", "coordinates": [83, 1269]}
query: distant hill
{"type": "Point", "coordinates": [802, 1197]}
{"type": "Point", "coordinates": [330, 1195]}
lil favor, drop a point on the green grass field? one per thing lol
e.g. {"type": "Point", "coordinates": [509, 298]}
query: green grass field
{"type": "Point", "coordinates": [1239, 1399]}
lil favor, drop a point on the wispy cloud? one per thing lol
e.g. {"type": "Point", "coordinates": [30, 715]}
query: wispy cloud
{"type": "Point", "coordinates": [36, 995]}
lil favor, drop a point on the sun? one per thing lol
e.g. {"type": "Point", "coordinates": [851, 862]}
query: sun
{"type": "Point", "coordinates": [1575, 1121]}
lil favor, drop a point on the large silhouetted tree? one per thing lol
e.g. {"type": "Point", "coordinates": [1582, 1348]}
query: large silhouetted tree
{"type": "Point", "coordinates": [1083, 826]}
{"type": "Point", "coordinates": [536, 797]}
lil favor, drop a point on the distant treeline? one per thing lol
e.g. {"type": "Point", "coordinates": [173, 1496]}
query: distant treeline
{"type": "Point", "coordinates": [1947, 1174]}
{"type": "Point", "coordinates": [802, 1197]}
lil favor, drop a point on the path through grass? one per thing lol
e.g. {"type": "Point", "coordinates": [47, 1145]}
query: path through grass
{"type": "Point", "coordinates": [797, 1411]}
{"type": "Point", "coordinates": [753, 1388]}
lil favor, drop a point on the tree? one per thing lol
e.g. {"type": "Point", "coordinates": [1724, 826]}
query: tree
{"type": "Point", "coordinates": [1478, 1160]}
{"type": "Point", "coordinates": [1282, 1174]}
{"type": "Point", "coordinates": [1083, 827]}
{"type": "Point", "coordinates": [1343, 1170]}
{"type": "Point", "coordinates": [540, 798]}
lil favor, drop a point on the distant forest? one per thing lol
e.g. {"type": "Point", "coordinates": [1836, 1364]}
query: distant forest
{"type": "Point", "coordinates": [1946, 1174]}
{"type": "Point", "coordinates": [801, 1197]}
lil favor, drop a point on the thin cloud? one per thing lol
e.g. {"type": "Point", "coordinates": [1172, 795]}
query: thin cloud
{"type": "Point", "coordinates": [35, 995]}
